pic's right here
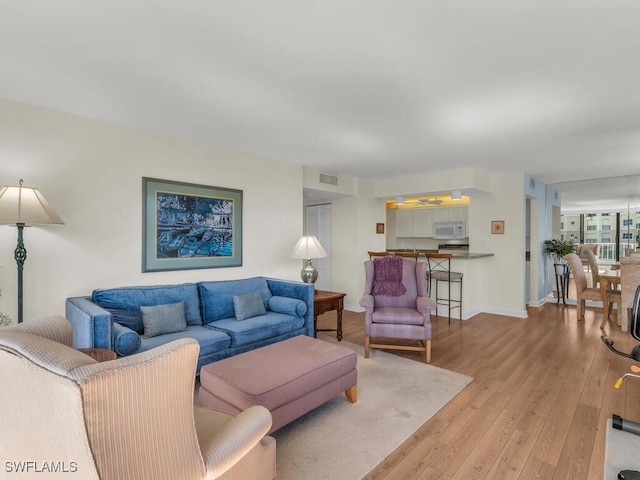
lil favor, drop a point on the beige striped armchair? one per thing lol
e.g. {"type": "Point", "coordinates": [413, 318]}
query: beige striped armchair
{"type": "Point", "coordinates": [66, 415]}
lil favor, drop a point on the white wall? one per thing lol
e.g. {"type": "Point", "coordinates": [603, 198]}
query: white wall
{"type": "Point", "coordinates": [354, 233]}
{"type": "Point", "coordinates": [503, 288]}
{"type": "Point", "coordinates": [90, 172]}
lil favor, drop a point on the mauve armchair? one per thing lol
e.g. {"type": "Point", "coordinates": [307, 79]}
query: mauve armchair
{"type": "Point", "coordinates": [406, 316]}
{"type": "Point", "coordinates": [129, 418]}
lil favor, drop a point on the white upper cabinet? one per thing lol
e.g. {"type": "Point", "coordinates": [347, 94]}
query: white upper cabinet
{"type": "Point", "coordinates": [418, 222]}
{"type": "Point", "coordinates": [414, 223]}
{"type": "Point", "coordinates": [445, 214]}
{"type": "Point", "coordinates": [423, 222]}
{"type": "Point", "coordinates": [405, 223]}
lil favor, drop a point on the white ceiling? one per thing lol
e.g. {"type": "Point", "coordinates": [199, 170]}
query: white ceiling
{"type": "Point", "coordinates": [366, 88]}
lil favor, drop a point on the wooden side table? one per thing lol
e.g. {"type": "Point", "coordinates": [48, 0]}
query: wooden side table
{"type": "Point", "coordinates": [324, 301]}
{"type": "Point", "coordinates": [99, 354]}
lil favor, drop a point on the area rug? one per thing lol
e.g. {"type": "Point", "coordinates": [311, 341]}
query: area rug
{"type": "Point", "coordinates": [344, 441]}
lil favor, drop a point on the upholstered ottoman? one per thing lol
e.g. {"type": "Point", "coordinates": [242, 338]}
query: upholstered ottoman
{"type": "Point", "coordinates": [290, 378]}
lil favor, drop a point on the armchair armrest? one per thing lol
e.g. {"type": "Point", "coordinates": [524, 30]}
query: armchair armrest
{"type": "Point", "coordinates": [53, 327]}
{"type": "Point", "coordinates": [223, 446]}
{"type": "Point", "coordinates": [426, 304]}
{"type": "Point", "coordinates": [367, 301]}
{"type": "Point", "coordinates": [92, 325]}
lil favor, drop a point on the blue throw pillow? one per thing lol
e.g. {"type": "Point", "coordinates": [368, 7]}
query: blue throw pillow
{"type": "Point", "coordinates": [159, 319]}
{"type": "Point", "coordinates": [248, 305]}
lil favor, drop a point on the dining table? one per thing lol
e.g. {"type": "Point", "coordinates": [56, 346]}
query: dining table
{"type": "Point", "coordinates": [608, 277]}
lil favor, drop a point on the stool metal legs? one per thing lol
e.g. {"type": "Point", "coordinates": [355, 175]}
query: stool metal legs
{"type": "Point", "coordinates": [447, 300]}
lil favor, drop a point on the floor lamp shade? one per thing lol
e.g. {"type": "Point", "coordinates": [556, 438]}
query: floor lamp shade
{"type": "Point", "coordinates": [309, 247]}
{"type": "Point", "coordinates": [24, 206]}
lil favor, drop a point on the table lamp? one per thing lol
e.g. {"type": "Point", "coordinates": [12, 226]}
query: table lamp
{"type": "Point", "coordinates": [24, 206]}
{"type": "Point", "coordinates": [309, 247]}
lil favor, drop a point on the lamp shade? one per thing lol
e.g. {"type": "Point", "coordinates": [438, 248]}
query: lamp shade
{"type": "Point", "coordinates": [309, 247]}
{"type": "Point", "coordinates": [26, 206]}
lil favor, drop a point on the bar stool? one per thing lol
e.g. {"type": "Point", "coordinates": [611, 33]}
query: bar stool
{"type": "Point", "coordinates": [440, 271]}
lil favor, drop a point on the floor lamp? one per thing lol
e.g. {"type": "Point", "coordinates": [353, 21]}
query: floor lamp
{"type": "Point", "coordinates": [24, 206]}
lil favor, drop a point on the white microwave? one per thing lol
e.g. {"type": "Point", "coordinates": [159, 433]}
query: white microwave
{"type": "Point", "coordinates": [449, 230]}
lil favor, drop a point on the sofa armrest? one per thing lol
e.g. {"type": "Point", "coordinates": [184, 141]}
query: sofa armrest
{"type": "Point", "coordinates": [290, 306]}
{"type": "Point", "coordinates": [92, 325]}
{"type": "Point", "coordinates": [299, 290]}
{"type": "Point", "coordinates": [125, 341]}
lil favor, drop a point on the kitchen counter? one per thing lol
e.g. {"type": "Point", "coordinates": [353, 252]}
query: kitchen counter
{"type": "Point", "coordinates": [464, 256]}
{"type": "Point", "coordinates": [471, 256]}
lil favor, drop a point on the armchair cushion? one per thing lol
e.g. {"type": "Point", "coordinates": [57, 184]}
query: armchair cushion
{"type": "Point", "coordinates": [397, 315]}
{"type": "Point", "coordinates": [161, 319]}
{"type": "Point", "coordinates": [248, 305]}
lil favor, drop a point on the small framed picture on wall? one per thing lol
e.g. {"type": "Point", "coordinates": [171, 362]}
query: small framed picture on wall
{"type": "Point", "coordinates": [379, 227]}
{"type": "Point", "coordinates": [497, 227]}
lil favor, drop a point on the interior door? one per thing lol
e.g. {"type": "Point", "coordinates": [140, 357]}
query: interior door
{"type": "Point", "coordinates": [318, 223]}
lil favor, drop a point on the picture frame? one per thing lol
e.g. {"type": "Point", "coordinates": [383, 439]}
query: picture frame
{"type": "Point", "coordinates": [497, 227]}
{"type": "Point", "coordinates": [379, 227]}
{"type": "Point", "coordinates": [188, 226]}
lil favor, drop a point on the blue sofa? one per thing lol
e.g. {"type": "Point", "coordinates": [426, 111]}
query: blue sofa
{"type": "Point", "coordinates": [114, 318]}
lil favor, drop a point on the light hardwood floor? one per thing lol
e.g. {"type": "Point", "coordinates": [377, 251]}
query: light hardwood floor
{"type": "Point", "coordinates": [543, 388]}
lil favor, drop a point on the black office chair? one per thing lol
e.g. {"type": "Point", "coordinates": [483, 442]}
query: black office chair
{"type": "Point", "coordinates": [634, 330]}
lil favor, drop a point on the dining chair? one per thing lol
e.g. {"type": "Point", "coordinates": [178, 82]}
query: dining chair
{"type": "Point", "coordinates": [373, 255]}
{"type": "Point", "coordinates": [593, 266]}
{"type": "Point", "coordinates": [629, 282]}
{"type": "Point", "coordinates": [584, 293]}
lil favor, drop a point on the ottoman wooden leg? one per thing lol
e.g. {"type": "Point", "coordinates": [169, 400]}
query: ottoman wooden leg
{"type": "Point", "coordinates": [352, 394]}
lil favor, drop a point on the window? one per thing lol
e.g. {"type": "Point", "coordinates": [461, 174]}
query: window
{"type": "Point", "coordinates": [602, 229]}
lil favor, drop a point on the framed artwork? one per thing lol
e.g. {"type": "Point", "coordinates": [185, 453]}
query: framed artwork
{"type": "Point", "coordinates": [379, 227]}
{"type": "Point", "coordinates": [187, 226]}
{"type": "Point", "coordinates": [497, 226]}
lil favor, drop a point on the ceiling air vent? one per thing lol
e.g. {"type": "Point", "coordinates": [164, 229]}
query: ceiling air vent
{"type": "Point", "coordinates": [328, 179]}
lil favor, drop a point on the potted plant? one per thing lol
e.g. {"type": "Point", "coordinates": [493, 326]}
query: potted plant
{"type": "Point", "coordinates": [557, 249]}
